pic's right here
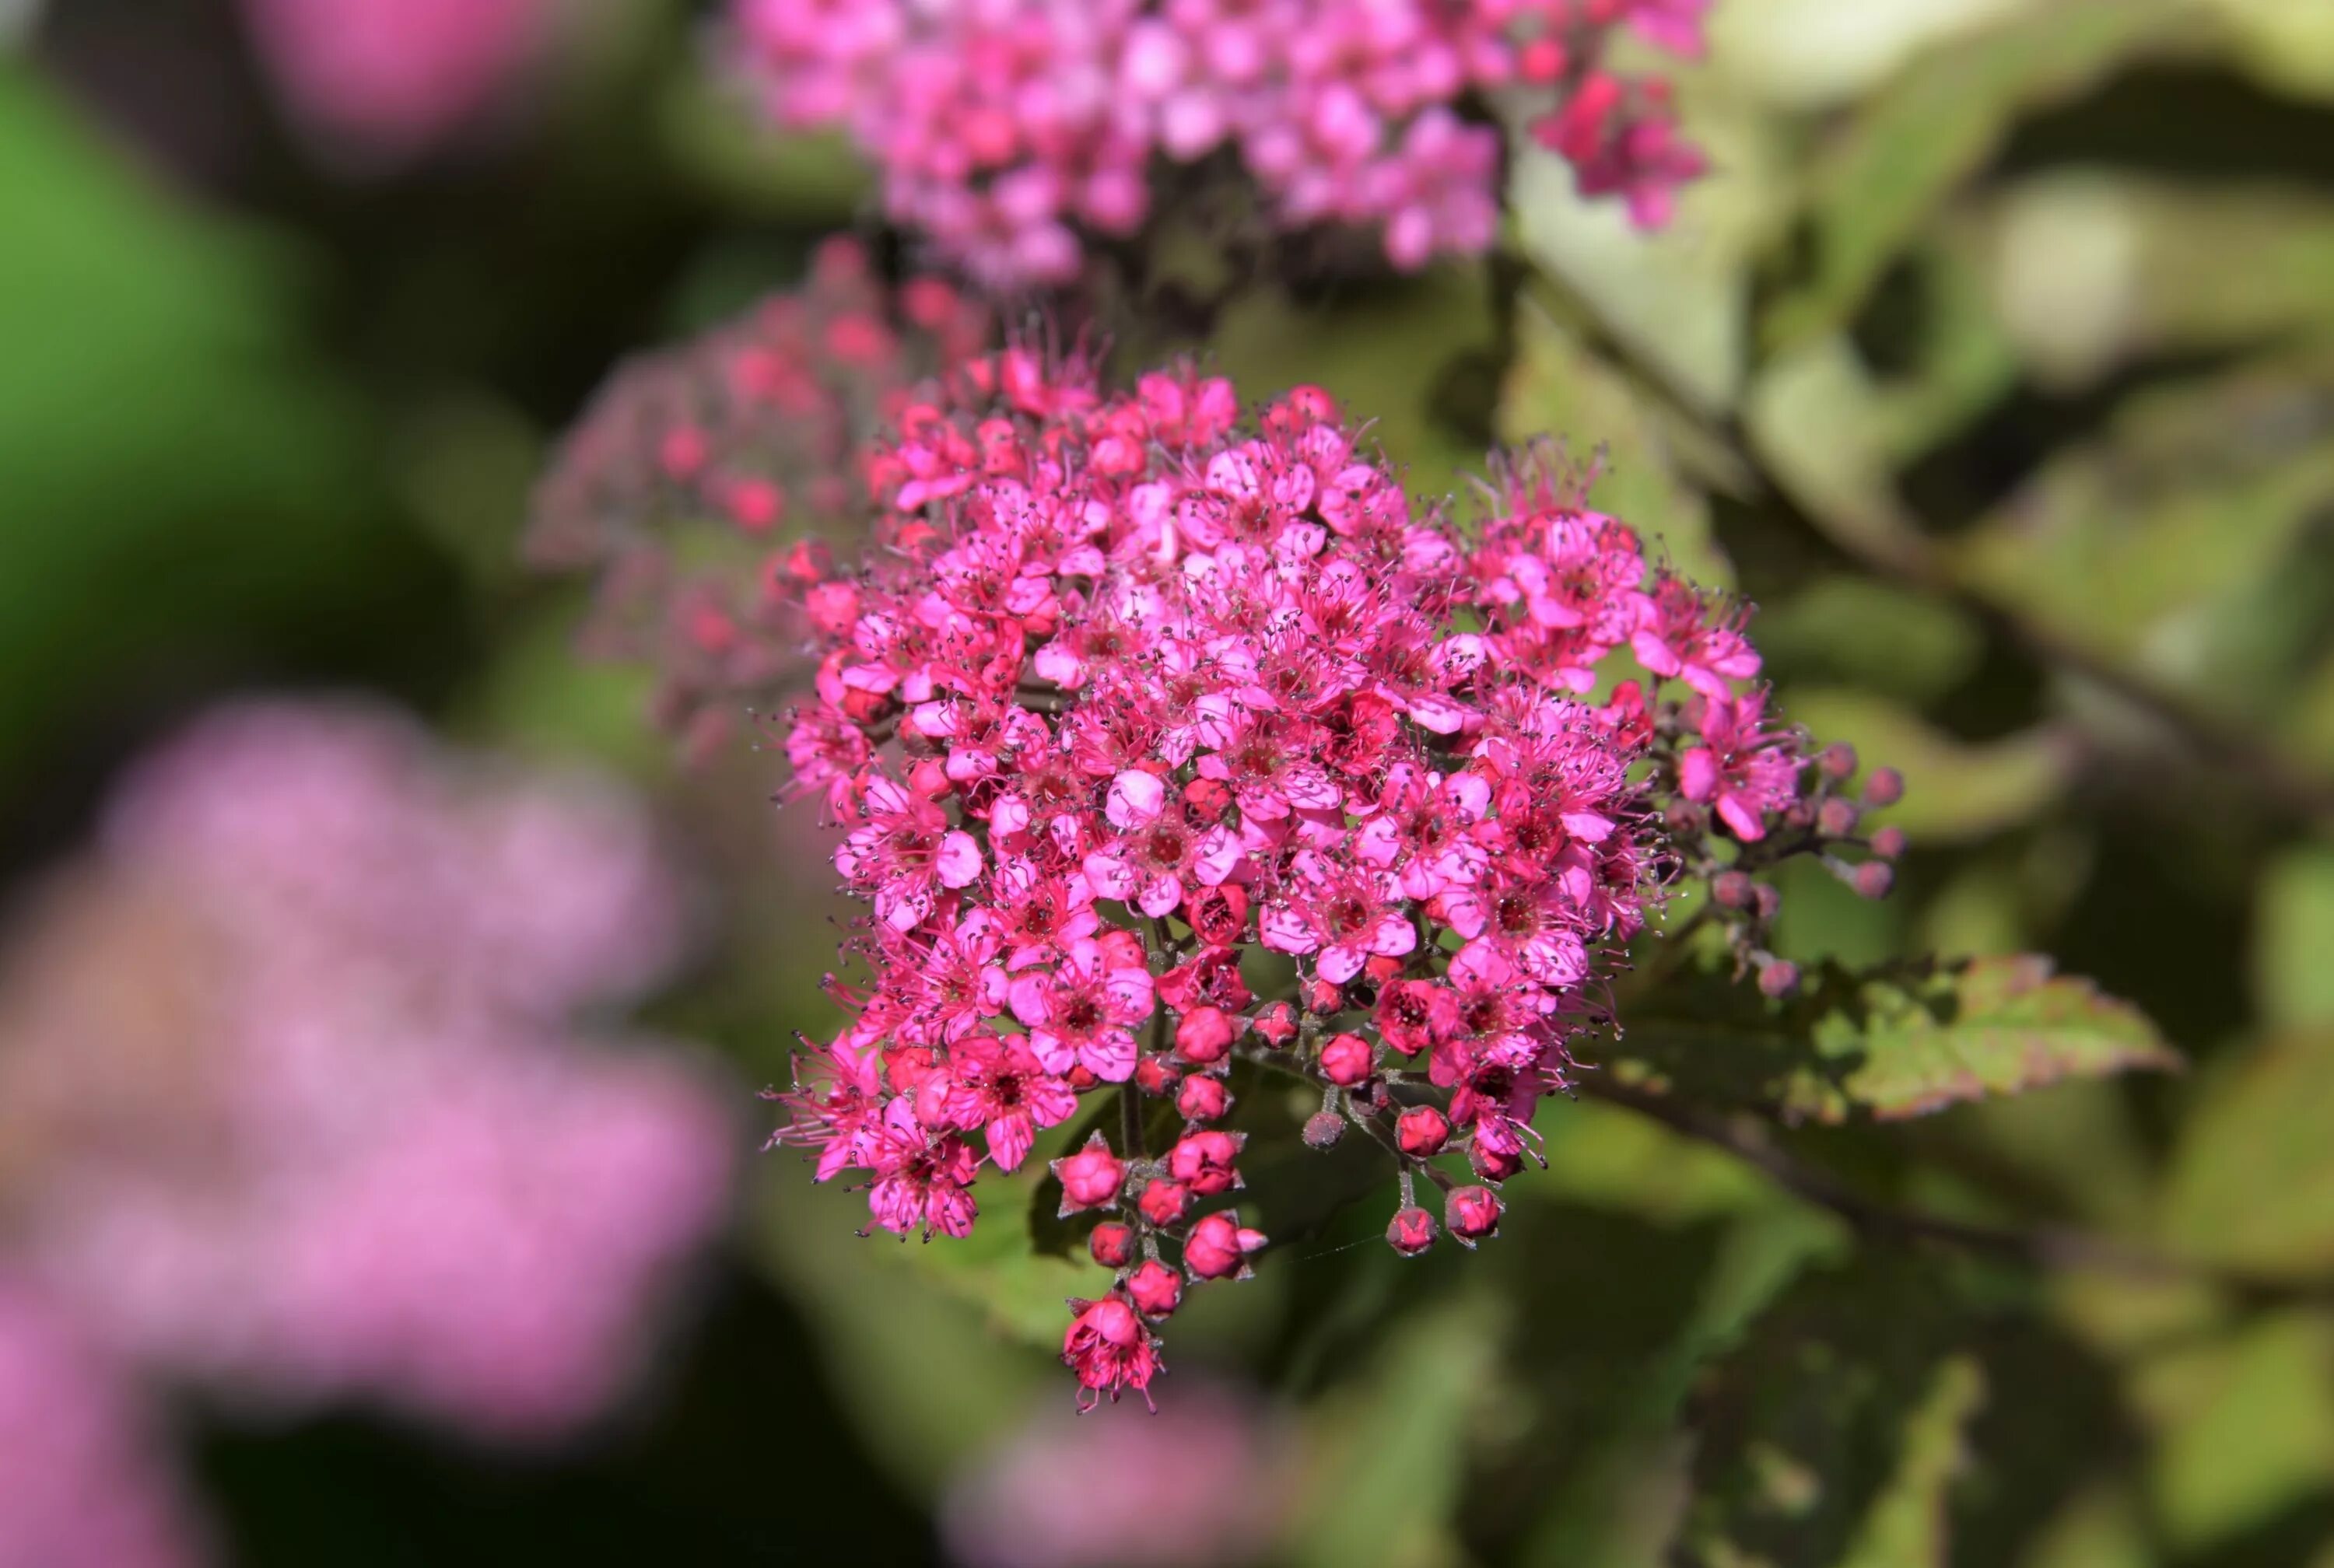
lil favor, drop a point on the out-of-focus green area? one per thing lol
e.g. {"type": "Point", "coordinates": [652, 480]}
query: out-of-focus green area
{"type": "Point", "coordinates": [1994, 361]}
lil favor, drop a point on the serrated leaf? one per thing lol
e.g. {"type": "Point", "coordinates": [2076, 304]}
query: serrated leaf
{"type": "Point", "coordinates": [2293, 944]}
{"type": "Point", "coordinates": [1956, 790]}
{"type": "Point", "coordinates": [1829, 1439]}
{"type": "Point", "coordinates": [1920, 137]}
{"type": "Point", "coordinates": [1892, 1042]}
{"type": "Point", "coordinates": [2252, 1181]}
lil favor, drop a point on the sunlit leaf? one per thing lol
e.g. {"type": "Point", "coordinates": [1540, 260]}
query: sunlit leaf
{"type": "Point", "coordinates": [1890, 1042]}
{"type": "Point", "coordinates": [1915, 140]}
{"type": "Point", "coordinates": [2294, 942]}
{"type": "Point", "coordinates": [2252, 1181]}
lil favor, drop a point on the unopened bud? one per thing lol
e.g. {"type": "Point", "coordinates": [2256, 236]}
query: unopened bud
{"type": "Point", "coordinates": [1345, 1060]}
{"type": "Point", "coordinates": [1203, 1162]}
{"type": "Point", "coordinates": [1779, 978]}
{"type": "Point", "coordinates": [1733, 889]}
{"type": "Point", "coordinates": [1323, 1129]}
{"type": "Point", "coordinates": [1767, 900]}
{"type": "Point", "coordinates": [1836, 818]}
{"type": "Point", "coordinates": [1494, 1164]}
{"type": "Point", "coordinates": [1202, 1098]}
{"type": "Point", "coordinates": [1112, 1244]}
{"type": "Point", "coordinates": [1422, 1131]}
{"type": "Point", "coordinates": [1155, 1075]}
{"type": "Point", "coordinates": [1885, 787]}
{"type": "Point", "coordinates": [1219, 1246]}
{"type": "Point", "coordinates": [1874, 879]}
{"type": "Point", "coordinates": [1837, 760]}
{"type": "Point", "coordinates": [1888, 842]}
{"type": "Point", "coordinates": [1204, 1034]}
{"type": "Point", "coordinates": [1471, 1214]}
{"type": "Point", "coordinates": [1277, 1023]}
{"type": "Point", "coordinates": [1412, 1231]}
{"type": "Point", "coordinates": [1155, 1288]}
{"type": "Point", "coordinates": [1163, 1202]}
{"type": "Point", "coordinates": [1091, 1178]}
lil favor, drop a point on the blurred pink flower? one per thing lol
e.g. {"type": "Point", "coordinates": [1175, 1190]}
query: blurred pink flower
{"type": "Point", "coordinates": [350, 1145]}
{"type": "Point", "coordinates": [1216, 1460]}
{"type": "Point", "coordinates": [386, 79]}
{"type": "Point", "coordinates": [80, 1484]}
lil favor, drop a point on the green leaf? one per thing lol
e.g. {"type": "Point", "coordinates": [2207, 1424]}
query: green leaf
{"type": "Point", "coordinates": [2093, 270]}
{"type": "Point", "coordinates": [1020, 1290]}
{"type": "Point", "coordinates": [1884, 639]}
{"type": "Point", "coordinates": [1889, 1043]}
{"type": "Point", "coordinates": [1954, 790]}
{"type": "Point", "coordinates": [1916, 141]}
{"type": "Point", "coordinates": [2246, 1425]}
{"type": "Point", "coordinates": [2252, 1181]}
{"type": "Point", "coordinates": [2293, 943]}
{"type": "Point", "coordinates": [1831, 1438]}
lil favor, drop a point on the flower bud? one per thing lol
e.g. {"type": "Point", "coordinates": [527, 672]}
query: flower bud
{"type": "Point", "coordinates": [1837, 760]}
{"type": "Point", "coordinates": [1346, 1060]}
{"type": "Point", "coordinates": [1885, 787]}
{"type": "Point", "coordinates": [1163, 1202]}
{"type": "Point", "coordinates": [1494, 1165]}
{"type": "Point", "coordinates": [1155, 1075]}
{"type": "Point", "coordinates": [1836, 818]}
{"type": "Point", "coordinates": [1471, 1214]}
{"type": "Point", "coordinates": [1874, 879]}
{"type": "Point", "coordinates": [1091, 1178]}
{"type": "Point", "coordinates": [1766, 899]}
{"type": "Point", "coordinates": [1412, 1231]}
{"type": "Point", "coordinates": [1203, 1162]}
{"type": "Point", "coordinates": [1422, 1131]}
{"type": "Point", "coordinates": [1219, 1246]}
{"type": "Point", "coordinates": [1779, 978]}
{"type": "Point", "coordinates": [1733, 889]}
{"type": "Point", "coordinates": [1202, 1098]}
{"type": "Point", "coordinates": [1155, 1288]}
{"type": "Point", "coordinates": [1277, 1023]}
{"type": "Point", "coordinates": [1324, 998]}
{"type": "Point", "coordinates": [1112, 1244]}
{"type": "Point", "coordinates": [1323, 1129]}
{"type": "Point", "coordinates": [1204, 1035]}
{"type": "Point", "coordinates": [1888, 842]}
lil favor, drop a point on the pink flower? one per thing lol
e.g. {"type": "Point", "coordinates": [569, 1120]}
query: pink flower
{"type": "Point", "coordinates": [1742, 769]}
{"type": "Point", "coordinates": [1109, 1350]}
{"type": "Point", "coordinates": [998, 1087]}
{"type": "Point", "coordinates": [919, 1179]}
{"type": "Point", "coordinates": [1342, 913]}
{"type": "Point", "coordinates": [1081, 1013]}
{"type": "Point", "coordinates": [905, 854]}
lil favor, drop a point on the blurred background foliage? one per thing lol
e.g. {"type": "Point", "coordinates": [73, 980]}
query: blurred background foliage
{"type": "Point", "coordinates": [1994, 361]}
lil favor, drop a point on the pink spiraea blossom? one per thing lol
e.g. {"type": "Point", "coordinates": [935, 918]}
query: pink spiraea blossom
{"type": "Point", "coordinates": [1010, 132]}
{"type": "Point", "coordinates": [83, 1481]}
{"type": "Point", "coordinates": [705, 484]}
{"type": "Point", "coordinates": [1267, 711]}
{"type": "Point", "coordinates": [382, 80]}
{"type": "Point", "coordinates": [348, 1142]}
{"type": "Point", "coordinates": [1222, 1456]}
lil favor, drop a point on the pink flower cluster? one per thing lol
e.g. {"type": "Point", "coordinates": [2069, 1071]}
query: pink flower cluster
{"type": "Point", "coordinates": [304, 1113]}
{"type": "Point", "coordinates": [1007, 129]}
{"type": "Point", "coordinates": [83, 1484]}
{"type": "Point", "coordinates": [387, 80]}
{"type": "Point", "coordinates": [1132, 706]}
{"type": "Point", "coordinates": [734, 452]}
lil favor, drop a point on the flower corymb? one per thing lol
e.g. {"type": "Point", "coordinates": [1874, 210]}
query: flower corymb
{"type": "Point", "coordinates": [1137, 703]}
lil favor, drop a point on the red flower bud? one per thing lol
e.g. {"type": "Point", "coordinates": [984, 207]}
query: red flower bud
{"type": "Point", "coordinates": [1219, 1246]}
{"type": "Point", "coordinates": [1155, 1075]}
{"type": "Point", "coordinates": [1733, 889]}
{"type": "Point", "coordinates": [1779, 978]}
{"type": "Point", "coordinates": [1837, 760]}
{"type": "Point", "coordinates": [1112, 1244]}
{"type": "Point", "coordinates": [1874, 879]}
{"type": "Point", "coordinates": [1346, 1060]}
{"type": "Point", "coordinates": [1471, 1214]}
{"type": "Point", "coordinates": [1323, 1129]}
{"type": "Point", "coordinates": [1202, 1098]}
{"type": "Point", "coordinates": [1322, 997]}
{"type": "Point", "coordinates": [1885, 787]}
{"type": "Point", "coordinates": [1277, 1023]}
{"type": "Point", "coordinates": [1163, 1202]}
{"type": "Point", "coordinates": [1412, 1231]}
{"type": "Point", "coordinates": [1204, 1034]}
{"type": "Point", "coordinates": [1888, 842]}
{"type": "Point", "coordinates": [1157, 1289]}
{"type": "Point", "coordinates": [1091, 1178]}
{"type": "Point", "coordinates": [1422, 1130]}
{"type": "Point", "coordinates": [1494, 1164]}
{"type": "Point", "coordinates": [1836, 818]}
{"type": "Point", "coordinates": [1203, 1162]}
